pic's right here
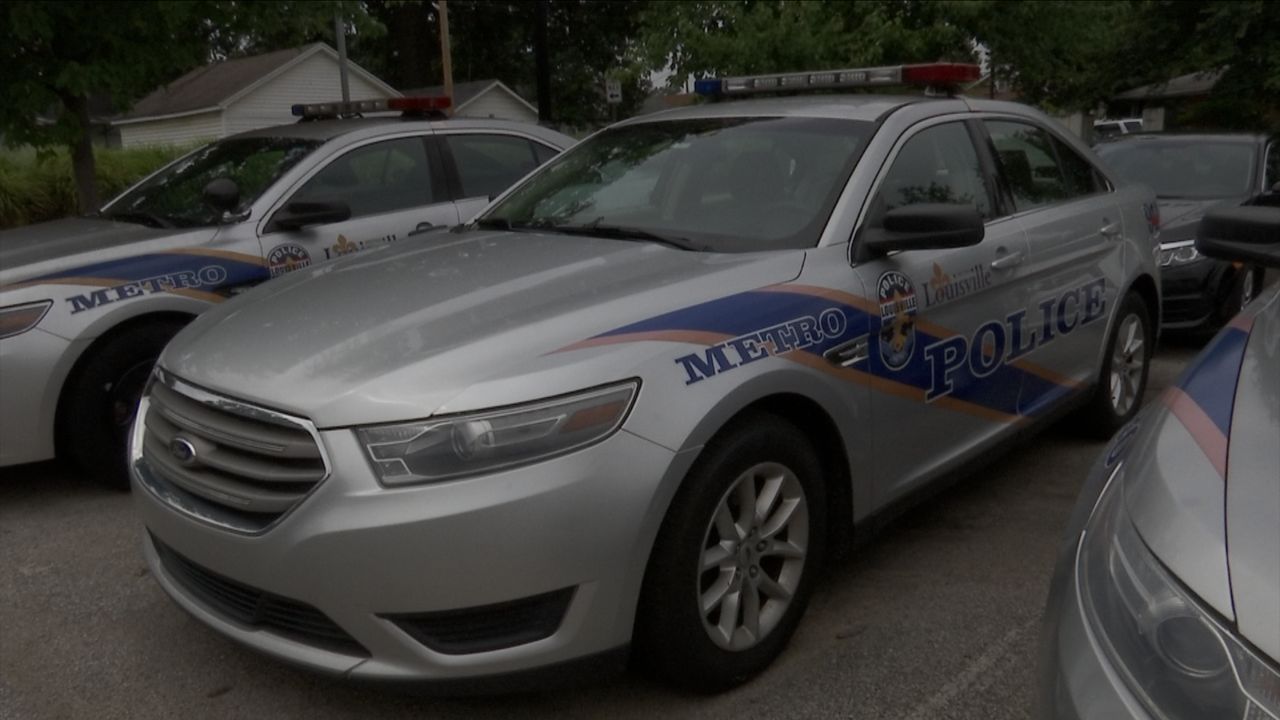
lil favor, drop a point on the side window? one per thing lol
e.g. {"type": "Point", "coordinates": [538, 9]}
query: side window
{"type": "Point", "coordinates": [1082, 178]}
{"type": "Point", "coordinates": [489, 164]}
{"type": "Point", "coordinates": [543, 152]}
{"type": "Point", "coordinates": [1027, 161]}
{"type": "Point", "coordinates": [937, 165]}
{"type": "Point", "coordinates": [374, 179]}
{"type": "Point", "coordinates": [1272, 176]}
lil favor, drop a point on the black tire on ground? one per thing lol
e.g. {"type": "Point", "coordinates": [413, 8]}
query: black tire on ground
{"type": "Point", "coordinates": [1101, 417]}
{"type": "Point", "coordinates": [101, 398]}
{"type": "Point", "coordinates": [1236, 299]}
{"type": "Point", "coordinates": [670, 639]}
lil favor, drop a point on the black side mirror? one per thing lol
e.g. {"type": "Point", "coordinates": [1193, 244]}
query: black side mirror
{"type": "Point", "coordinates": [1250, 233]}
{"type": "Point", "coordinates": [301, 213]}
{"type": "Point", "coordinates": [926, 226]}
{"type": "Point", "coordinates": [221, 194]}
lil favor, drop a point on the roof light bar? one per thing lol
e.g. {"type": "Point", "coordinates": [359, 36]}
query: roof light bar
{"type": "Point", "coordinates": [410, 106]}
{"type": "Point", "coordinates": [931, 74]}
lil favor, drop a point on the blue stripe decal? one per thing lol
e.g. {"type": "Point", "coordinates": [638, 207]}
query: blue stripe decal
{"type": "Point", "coordinates": [1210, 380]}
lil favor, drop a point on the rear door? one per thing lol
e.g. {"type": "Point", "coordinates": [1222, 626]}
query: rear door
{"type": "Point", "coordinates": [482, 165]}
{"type": "Point", "coordinates": [395, 188]}
{"type": "Point", "coordinates": [939, 334]}
{"type": "Point", "coordinates": [1075, 235]}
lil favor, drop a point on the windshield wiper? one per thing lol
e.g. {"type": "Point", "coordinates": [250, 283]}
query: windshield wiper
{"type": "Point", "coordinates": [139, 218]}
{"type": "Point", "coordinates": [622, 232]}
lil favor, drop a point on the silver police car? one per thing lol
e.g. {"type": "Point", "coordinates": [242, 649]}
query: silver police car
{"type": "Point", "coordinates": [1166, 600]}
{"type": "Point", "coordinates": [632, 406]}
{"type": "Point", "coordinates": [87, 303]}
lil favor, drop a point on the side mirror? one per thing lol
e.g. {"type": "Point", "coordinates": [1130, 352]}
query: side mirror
{"type": "Point", "coordinates": [1250, 233]}
{"type": "Point", "coordinates": [301, 213]}
{"type": "Point", "coordinates": [926, 226]}
{"type": "Point", "coordinates": [221, 194]}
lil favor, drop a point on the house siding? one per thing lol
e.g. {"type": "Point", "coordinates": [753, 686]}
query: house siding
{"type": "Point", "coordinates": [188, 130]}
{"type": "Point", "coordinates": [499, 105]}
{"type": "Point", "coordinates": [312, 80]}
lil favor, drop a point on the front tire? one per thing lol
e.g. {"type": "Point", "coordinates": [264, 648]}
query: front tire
{"type": "Point", "coordinates": [734, 564]}
{"type": "Point", "coordinates": [1123, 381]}
{"type": "Point", "coordinates": [102, 396]}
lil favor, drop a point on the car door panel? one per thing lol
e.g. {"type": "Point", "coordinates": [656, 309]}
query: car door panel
{"type": "Point", "coordinates": [940, 319]}
{"type": "Point", "coordinates": [393, 188]}
{"type": "Point", "coordinates": [1074, 232]}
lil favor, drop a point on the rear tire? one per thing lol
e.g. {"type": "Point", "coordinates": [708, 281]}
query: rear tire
{"type": "Point", "coordinates": [1123, 381]}
{"type": "Point", "coordinates": [101, 399]}
{"type": "Point", "coordinates": [725, 590]}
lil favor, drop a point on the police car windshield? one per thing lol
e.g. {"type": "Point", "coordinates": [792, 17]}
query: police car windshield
{"type": "Point", "coordinates": [173, 197]}
{"type": "Point", "coordinates": [1184, 167]}
{"type": "Point", "coordinates": [719, 184]}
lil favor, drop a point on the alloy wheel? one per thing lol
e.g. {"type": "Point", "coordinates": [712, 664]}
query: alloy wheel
{"type": "Point", "coordinates": [1128, 356]}
{"type": "Point", "coordinates": [753, 556]}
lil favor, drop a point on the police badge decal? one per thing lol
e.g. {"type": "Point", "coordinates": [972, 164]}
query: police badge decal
{"type": "Point", "coordinates": [898, 305]}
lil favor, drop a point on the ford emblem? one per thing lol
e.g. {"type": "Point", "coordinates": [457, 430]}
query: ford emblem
{"type": "Point", "coordinates": [183, 451]}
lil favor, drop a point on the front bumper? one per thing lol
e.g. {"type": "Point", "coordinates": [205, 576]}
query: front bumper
{"type": "Point", "coordinates": [1193, 295]}
{"type": "Point", "coordinates": [358, 553]}
{"type": "Point", "coordinates": [33, 366]}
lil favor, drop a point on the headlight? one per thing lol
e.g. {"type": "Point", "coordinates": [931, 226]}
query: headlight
{"type": "Point", "coordinates": [1183, 255]}
{"type": "Point", "coordinates": [1175, 654]}
{"type": "Point", "coordinates": [17, 319]}
{"type": "Point", "coordinates": [450, 447]}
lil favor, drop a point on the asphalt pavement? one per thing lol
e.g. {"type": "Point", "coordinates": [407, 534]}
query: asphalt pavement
{"type": "Point", "coordinates": [937, 617]}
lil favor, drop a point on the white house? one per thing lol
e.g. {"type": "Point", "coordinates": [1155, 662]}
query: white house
{"type": "Point", "coordinates": [484, 99]}
{"type": "Point", "coordinates": [233, 96]}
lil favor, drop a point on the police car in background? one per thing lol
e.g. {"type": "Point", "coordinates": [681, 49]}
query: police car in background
{"type": "Point", "coordinates": [633, 403]}
{"type": "Point", "coordinates": [1166, 599]}
{"type": "Point", "coordinates": [87, 303]}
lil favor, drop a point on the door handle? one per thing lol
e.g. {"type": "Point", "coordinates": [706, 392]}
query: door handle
{"type": "Point", "coordinates": [422, 227]}
{"type": "Point", "coordinates": [1109, 230]}
{"type": "Point", "coordinates": [1004, 262]}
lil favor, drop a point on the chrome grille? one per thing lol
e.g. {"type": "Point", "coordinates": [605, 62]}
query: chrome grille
{"type": "Point", "coordinates": [224, 461]}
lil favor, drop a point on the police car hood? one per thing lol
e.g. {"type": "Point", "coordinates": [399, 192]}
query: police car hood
{"type": "Point", "coordinates": [1202, 485]}
{"type": "Point", "coordinates": [49, 246]}
{"type": "Point", "coordinates": [394, 333]}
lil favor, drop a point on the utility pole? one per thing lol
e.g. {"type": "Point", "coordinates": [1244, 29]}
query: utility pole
{"type": "Point", "coordinates": [446, 54]}
{"type": "Point", "coordinates": [340, 34]}
{"type": "Point", "coordinates": [543, 62]}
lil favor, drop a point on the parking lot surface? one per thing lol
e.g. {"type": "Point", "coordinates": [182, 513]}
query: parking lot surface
{"type": "Point", "coordinates": [937, 617]}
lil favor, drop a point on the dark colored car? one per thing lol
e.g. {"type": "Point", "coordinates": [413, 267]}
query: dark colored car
{"type": "Point", "coordinates": [1194, 173]}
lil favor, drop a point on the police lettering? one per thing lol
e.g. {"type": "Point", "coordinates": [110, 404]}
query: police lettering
{"type": "Point", "coordinates": [996, 343]}
{"type": "Point", "coordinates": [795, 334]}
{"type": "Point", "coordinates": [209, 276]}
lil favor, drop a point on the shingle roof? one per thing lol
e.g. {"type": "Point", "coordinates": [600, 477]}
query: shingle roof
{"type": "Point", "coordinates": [210, 85]}
{"type": "Point", "coordinates": [463, 92]}
{"type": "Point", "coordinates": [1197, 83]}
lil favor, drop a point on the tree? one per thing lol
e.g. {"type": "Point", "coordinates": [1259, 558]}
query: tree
{"type": "Point", "coordinates": [57, 55]}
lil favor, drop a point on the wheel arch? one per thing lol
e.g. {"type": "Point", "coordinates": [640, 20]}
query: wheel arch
{"type": "Point", "coordinates": [1146, 287]}
{"type": "Point", "coordinates": [86, 357]}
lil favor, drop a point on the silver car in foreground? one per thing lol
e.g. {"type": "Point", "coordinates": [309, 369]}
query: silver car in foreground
{"type": "Point", "coordinates": [633, 404]}
{"type": "Point", "coordinates": [1166, 600]}
{"type": "Point", "coordinates": [87, 303]}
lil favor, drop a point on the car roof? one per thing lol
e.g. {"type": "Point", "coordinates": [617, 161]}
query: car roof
{"type": "Point", "coordinates": [1199, 135]}
{"type": "Point", "coordinates": [328, 129]}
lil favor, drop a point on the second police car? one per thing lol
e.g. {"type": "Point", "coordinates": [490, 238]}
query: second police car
{"type": "Point", "coordinates": [87, 303]}
{"type": "Point", "coordinates": [633, 405]}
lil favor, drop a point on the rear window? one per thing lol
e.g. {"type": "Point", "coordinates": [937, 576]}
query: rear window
{"type": "Point", "coordinates": [1185, 167]}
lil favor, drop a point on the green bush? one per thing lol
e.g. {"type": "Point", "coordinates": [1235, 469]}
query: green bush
{"type": "Point", "coordinates": [35, 188]}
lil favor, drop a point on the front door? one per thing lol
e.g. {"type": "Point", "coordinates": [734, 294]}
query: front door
{"type": "Point", "coordinates": [941, 335]}
{"type": "Point", "coordinates": [393, 190]}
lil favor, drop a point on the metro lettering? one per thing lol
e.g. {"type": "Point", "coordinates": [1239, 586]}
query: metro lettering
{"type": "Point", "coordinates": [209, 276]}
{"type": "Point", "coordinates": [794, 334]}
